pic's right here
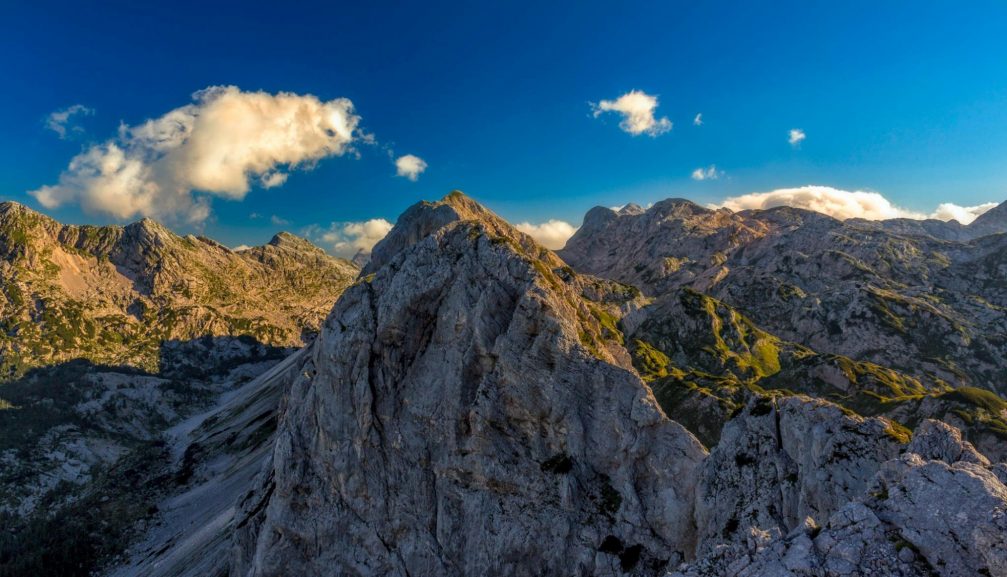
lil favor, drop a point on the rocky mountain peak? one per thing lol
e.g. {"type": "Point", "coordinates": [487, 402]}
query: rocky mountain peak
{"type": "Point", "coordinates": [423, 218]}
{"type": "Point", "coordinates": [678, 207]}
{"type": "Point", "coordinates": [285, 239]}
{"type": "Point", "coordinates": [459, 414]}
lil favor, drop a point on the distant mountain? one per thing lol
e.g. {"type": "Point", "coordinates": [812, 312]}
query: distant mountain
{"type": "Point", "coordinates": [115, 295]}
{"type": "Point", "coordinates": [475, 406]}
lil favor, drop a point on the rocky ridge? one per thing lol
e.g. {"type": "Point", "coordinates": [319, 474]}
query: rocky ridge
{"type": "Point", "coordinates": [904, 325]}
{"type": "Point", "coordinates": [114, 295]}
{"type": "Point", "coordinates": [473, 406]}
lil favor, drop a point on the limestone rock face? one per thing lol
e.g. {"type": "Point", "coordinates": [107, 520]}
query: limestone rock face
{"type": "Point", "coordinates": [458, 417]}
{"type": "Point", "coordinates": [940, 513]}
{"type": "Point", "coordinates": [780, 463]}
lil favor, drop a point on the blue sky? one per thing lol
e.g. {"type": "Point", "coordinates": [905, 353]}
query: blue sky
{"type": "Point", "coordinates": [908, 99]}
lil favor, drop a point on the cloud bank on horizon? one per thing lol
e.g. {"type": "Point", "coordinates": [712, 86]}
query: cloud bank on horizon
{"type": "Point", "coordinates": [219, 145]}
{"type": "Point", "coordinates": [845, 204]}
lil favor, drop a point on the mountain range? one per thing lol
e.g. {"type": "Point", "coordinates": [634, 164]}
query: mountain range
{"type": "Point", "coordinates": [679, 391]}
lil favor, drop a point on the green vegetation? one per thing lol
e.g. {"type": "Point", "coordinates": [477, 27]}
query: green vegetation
{"type": "Point", "coordinates": [78, 538]}
{"type": "Point", "coordinates": [981, 410]}
{"type": "Point", "coordinates": [650, 362]}
{"type": "Point", "coordinates": [722, 359]}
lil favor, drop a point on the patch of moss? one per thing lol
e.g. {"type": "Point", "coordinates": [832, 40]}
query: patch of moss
{"type": "Point", "coordinates": [898, 432]}
{"type": "Point", "coordinates": [650, 362]}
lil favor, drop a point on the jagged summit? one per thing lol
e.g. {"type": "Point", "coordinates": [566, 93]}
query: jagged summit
{"type": "Point", "coordinates": [462, 402]}
{"type": "Point", "coordinates": [423, 218]}
{"type": "Point", "coordinates": [285, 239]}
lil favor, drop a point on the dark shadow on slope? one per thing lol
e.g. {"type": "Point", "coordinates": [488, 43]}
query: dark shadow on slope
{"type": "Point", "coordinates": [76, 529]}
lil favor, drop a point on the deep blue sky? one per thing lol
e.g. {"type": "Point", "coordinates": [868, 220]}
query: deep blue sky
{"type": "Point", "coordinates": [905, 98]}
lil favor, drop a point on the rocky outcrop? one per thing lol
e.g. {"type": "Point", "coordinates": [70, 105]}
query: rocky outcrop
{"type": "Point", "coordinates": [782, 462]}
{"type": "Point", "coordinates": [457, 417]}
{"type": "Point", "coordinates": [941, 512]}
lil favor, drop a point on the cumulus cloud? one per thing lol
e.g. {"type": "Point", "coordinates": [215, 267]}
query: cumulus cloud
{"type": "Point", "coordinates": [708, 173]}
{"type": "Point", "coordinates": [170, 166]}
{"type": "Point", "coordinates": [241, 247]}
{"type": "Point", "coordinates": [796, 136]}
{"type": "Point", "coordinates": [637, 110]}
{"type": "Point", "coordinates": [844, 204]}
{"type": "Point", "coordinates": [551, 234]}
{"type": "Point", "coordinates": [410, 166]}
{"type": "Point", "coordinates": [346, 239]}
{"type": "Point", "coordinates": [60, 120]}
{"type": "Point", "coordinates": [698, 120]}
{"type": "Point", "coordinates": [278, 221]}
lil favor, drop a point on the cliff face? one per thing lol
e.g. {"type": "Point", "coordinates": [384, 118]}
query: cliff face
{"type": "Point", "coordinates": [460, 415]}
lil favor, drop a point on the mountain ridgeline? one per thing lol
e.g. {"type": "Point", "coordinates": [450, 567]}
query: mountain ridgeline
{"type": "Point", "coordinates": [680, 391]}
{"type": "Point", "coordinates": [115, 295]}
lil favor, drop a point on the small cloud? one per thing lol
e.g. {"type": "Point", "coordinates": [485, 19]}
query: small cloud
{"type": "Point", "coordinates": [698, 120]}
{"type": "Point", "coordinates": [637, 110]}
{"type": "Point", "coordinates": [551, 234]}
{"type": "Point", "coordinates": [254, 216]}
{"type": "Point", "coordinates": [273, 179]}
{"type": "Point", "coordinates": [347, 239]}
{"type": "Point", "coordinates": [59, 121]}
{"type": "Point", "coordinates": [277, 221]}
{"type": "Point", "coordinates": [708, 173]}
{"type": "Point", "coordinates": [796, 136]}
{"type": "Point", "coordinates": [410, 166]}
{"type": "Point", "coordinates": [241, 247]}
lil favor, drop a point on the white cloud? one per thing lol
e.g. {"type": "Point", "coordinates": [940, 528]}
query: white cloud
{"type": "Point", "coordinates": [551, 234]}
{"type": "Point", "coordinates": [278, 221]}
{"type": "Point", "coordinates": [346, 239]}
{"type": "Point", "coordinates": [410, 166]}
{"type": "Point", "coordinates": [637, 110]}
{"type": "Point", "coordinates": [963, 214]}
{"type": "Point", "coordinates": [844, 204]}
{"type": "Point", "coordinates": [59, 121]}
{"type": "Point", "coordinates": [170, 166]}
{"type": "Point", "coordinates": [708, 173]}
{"type": "Point", "coordinates": [698, 120]}
{"type": "Point", "coordinates": [796, 136]}
{"type": "Point", "coordinates": [241, 247]}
